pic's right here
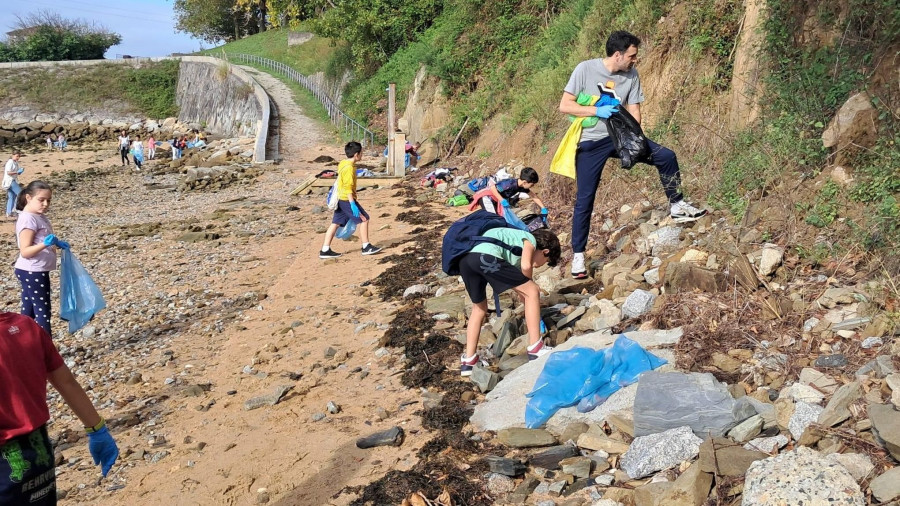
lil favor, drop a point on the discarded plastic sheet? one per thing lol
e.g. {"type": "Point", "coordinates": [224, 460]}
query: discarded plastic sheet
{"type": "Point", "coordinates": [583, 373]}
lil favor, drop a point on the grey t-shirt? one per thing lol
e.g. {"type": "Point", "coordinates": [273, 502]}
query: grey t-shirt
{"type": "Point", "coordinates": [592, 78]}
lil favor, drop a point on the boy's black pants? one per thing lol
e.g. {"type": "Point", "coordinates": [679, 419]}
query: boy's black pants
{"type": "Point", "coordinates": [27, 473]}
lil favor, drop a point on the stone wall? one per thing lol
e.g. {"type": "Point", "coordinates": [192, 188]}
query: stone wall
{"type": "Point", "coordinates": [224, 99]}
{"type": "Point", "coordinates": [228, 102]}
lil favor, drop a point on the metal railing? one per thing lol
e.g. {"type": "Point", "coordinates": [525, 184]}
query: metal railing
{"type": "Point", "coordinates": [339, 119]}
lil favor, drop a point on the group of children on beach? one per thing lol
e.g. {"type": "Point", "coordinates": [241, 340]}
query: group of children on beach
{"type": "Point", "coordinates": [29, 360]}
{"type": "Point", "coordinates": [485, 264]}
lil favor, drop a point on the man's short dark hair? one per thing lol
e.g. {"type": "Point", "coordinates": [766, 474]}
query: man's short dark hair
{"type": "Point", "coordinates": [620, 41]}
{"type": "Point", "coordinates": [352, 148]}
{"type": "Point", "coordinates": [529, 175]}
{"type": "Point", "coordinates": [547, 240]}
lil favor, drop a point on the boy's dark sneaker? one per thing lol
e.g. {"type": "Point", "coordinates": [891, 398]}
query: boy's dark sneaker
{"type": "Point", "coordinates": [539, 351]}
{"type": "Point", "coordinates": [371, 249]}
{"type": "Point", "coordinates": [682, 212]}
{"type": "Point", "coordinates": [466, 365]}
{"type": "Point", "coordinates": [330, 253]}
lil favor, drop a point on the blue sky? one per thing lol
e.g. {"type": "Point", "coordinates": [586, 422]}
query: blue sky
{"type": "Point", "coordinates": [147, 27]}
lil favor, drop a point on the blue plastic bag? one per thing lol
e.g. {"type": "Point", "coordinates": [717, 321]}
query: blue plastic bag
{"type": "Point", "coordinates": [584, 373]}
{"type": "Point", "coordinates": [346, 231]}
{"type": "Point", "coordinates": [79, 297]}
{"type": "Point", "coordinates": [514, 221]}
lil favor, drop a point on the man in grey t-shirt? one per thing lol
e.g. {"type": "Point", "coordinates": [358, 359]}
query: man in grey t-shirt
{"type": "Point", "coordinates": [616, 78]}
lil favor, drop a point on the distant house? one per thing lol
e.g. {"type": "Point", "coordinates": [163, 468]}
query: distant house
{"type": "Point", "coordinates": [20, 34]}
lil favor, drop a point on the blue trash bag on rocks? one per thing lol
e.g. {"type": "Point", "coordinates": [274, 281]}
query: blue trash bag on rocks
{"type": "Point", "coordinates": [80, 298]}
{"type": "Point", "coordinates": [346, 231]}
{"type": "Point", "coordinates": [514, 221]}
{"type": "Point", "coordinates": [584, 373]}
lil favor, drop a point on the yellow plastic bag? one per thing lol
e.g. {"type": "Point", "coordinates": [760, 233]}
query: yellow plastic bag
{"type": "Point", "coordinates": [563, 162]}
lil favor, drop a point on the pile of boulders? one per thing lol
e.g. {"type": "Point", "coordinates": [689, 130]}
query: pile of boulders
{"type": "Point", "coordinates": [813, 418]}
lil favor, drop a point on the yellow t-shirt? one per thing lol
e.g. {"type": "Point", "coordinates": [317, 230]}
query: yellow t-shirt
{"type": "Point", "coordinates": [346, 179]}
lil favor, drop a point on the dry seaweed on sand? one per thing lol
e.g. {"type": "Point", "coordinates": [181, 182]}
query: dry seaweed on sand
{"type": "Point", "coordinates": [408, 326]}
{"type": "Point", "coordinates": [449, 414]}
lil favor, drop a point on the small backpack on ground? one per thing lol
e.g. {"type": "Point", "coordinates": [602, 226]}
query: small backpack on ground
{"type": "Point", "coordinates": [467, 232]}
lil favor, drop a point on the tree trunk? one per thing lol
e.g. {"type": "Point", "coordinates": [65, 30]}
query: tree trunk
{"type": "Point", "coordinates": [262, 15]}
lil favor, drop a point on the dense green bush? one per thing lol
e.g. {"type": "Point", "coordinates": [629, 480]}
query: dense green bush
{"type": "Point", "coordinates": [49, 43]}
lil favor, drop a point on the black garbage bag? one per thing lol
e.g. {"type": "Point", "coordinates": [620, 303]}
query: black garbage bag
{"type": "Point", "coordinates": [628, 138]}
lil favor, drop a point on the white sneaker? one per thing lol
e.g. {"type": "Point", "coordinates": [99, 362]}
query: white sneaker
{"type": "Point", "coordinates": [682, 212]}
{"type": "Point", "coordinates": [578, 270]}
{"type": "Point", "coordinates": [539, 351]}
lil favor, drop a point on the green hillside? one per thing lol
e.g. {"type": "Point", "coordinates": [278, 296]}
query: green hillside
{"type": "Point", "coordinates": [501, 66]}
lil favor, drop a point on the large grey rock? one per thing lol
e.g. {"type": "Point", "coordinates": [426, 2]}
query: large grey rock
{"type": "Point", "coordinates": [887, 486]}
{"type": "Point", "coordinates": [770, 259]}
{"type": "Point", "coordinates": [525, 438]}
{"type": "Point", "coordinates": [858, 465]}
{"type": "Point", "coordinates": [638, 303]}
{"type": "Point", "coordinates": [504, 406]}
{"type": "Point", "coordinates": [886, 422]}
{"type": "Point", "coordinates": [854, 123]}
{"type": "Point", "coordinates": [804, 415]}
{"type": "Point", "coordinates": [649, 454]}
{"type": "Point", "coordinates": [664, 240]}
{"type": "Point", "coordinates": [767, 444]}
{"type": "Point", "coordinates": [484, 378]}
{"type": "Point", "coordinates": [837, 410]}
{"type": "Point", "coordinates": [801, 476]}
{"type": "Point", "coordinates": [452, 304]}
{"type": "Point", "coordinates": [666, 400]}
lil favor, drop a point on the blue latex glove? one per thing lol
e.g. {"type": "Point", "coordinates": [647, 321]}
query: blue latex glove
{"type": "Point", "coordinates": [103, 449]}
{"type": "Point", "coordinates": [20, 171]}
{"type": "Point", "coordinates": [607, 100]}
{"type": "Point", "coordinates": [504, 202]}
{"type": "Point", "coordinates": [605, 111]}
{"type": "Point", "coordinates": [51, 240]}
{"type": "Point", "coordinates": [354, 209]}
{"type": "Point", "coordinates": [62, 245]}
{"type": "Point", "coordinates": [543, 327]}
{"type": "Point", "coordinates": [544, 211]}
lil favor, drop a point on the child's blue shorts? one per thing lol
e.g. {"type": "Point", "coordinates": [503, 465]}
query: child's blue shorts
{"type": "Point", "coordinates": [343, 213]}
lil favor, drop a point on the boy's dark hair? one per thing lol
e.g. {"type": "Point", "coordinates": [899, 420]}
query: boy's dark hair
{"type": "Point", "coordinates": [620, 41]}
{"type": "Point", "coordinates": [352, 148]}
{"type": "Point", "coordinates": [548, 240]}
{"type": "Point", "coordinates": [32, 188]}
{"type": "Point", "coordinates": [529, 175]}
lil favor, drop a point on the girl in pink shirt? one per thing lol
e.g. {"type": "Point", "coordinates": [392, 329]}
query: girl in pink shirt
{"type": "Point", "coordinates": [37, 255]}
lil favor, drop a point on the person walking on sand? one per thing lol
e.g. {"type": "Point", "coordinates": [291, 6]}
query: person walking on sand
{"type": "Point", "coordinates": [37, 253]}
{"type": "Point", "coordinates": [137, 152]}
{"type": "Point", "coordinates": [151, 147]}
{"type": "Point", "coordinates": [348, 205]}
{"type": "Point", "coordinates": [61, 142]}
{"type": "Point", "coordinates": [11, 172]}
{"type": "Point", "coordinates": [50, 142]}
{"type": "Point", "coordinates": [28, 361]}
{"type": "Point", "coordinates": [124, 146]}
{"type": "Point", "coordinates": [615, 77]}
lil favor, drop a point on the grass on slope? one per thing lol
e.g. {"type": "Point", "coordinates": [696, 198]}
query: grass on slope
{"type": "Point", "coordinates": [308, 58]}
{"type": "Point", "coordinates": [148, 89]}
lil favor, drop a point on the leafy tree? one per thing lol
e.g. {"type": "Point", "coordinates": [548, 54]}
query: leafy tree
{"type": "Point", "coordinates": [376, 29]}
{"type": "Point", "coordinates": [210, 20]}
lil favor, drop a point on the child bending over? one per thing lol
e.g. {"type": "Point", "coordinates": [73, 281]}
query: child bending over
{"type": "Point", "coordinates": [491, 264]}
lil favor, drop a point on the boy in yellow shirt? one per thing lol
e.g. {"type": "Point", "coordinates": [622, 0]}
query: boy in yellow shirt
{"type": "Point", "coordinates": [348, 206]}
